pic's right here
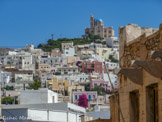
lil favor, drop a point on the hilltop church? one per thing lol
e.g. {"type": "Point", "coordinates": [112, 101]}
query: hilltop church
{"type": "Point", "coordinates": [97, 28]}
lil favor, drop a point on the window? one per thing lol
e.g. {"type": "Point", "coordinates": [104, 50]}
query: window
{"type": "Point", "coordinates": [98, 66]}
{"type": "Point", "coordinates": [76, 97]}
{"type": "Point", "coordinates": [152, 114]}
{"type": "Point", "coordinates": [53, 99]}
{"type": "Point", "coordinates": [89, 97]}
{"type": "Point", "coordinates": [134, 106]}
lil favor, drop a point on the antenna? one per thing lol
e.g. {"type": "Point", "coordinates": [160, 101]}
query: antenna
{"type": "Point", "coordinates": [52, 36]}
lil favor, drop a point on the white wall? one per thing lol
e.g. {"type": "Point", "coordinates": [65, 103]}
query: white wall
{"type": "Point", "coordinates": [69, 52]}
{"type": "Point", "coordinates": [110, 42]}
{"type": "Point", "coordinates": [27, 63]}
{"type": "Point", "coordinates": [37, 114]}
{"type": "Point", "coordinates": [5, 78]}
{"type": "Point", "coordinates": [112, 65]}
{"type": "Point", "coordinates": [38, 96]}
{"type": "Point", "coordinates": [52, 94]}
{"type": "Point", "coordinates": [58, 116]}
{"type": "Point", "coordinates": [24, 77]}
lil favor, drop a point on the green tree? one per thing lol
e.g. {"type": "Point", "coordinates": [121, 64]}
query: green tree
{"type": "Point", "coordinates": [87, 86]}
{"type": "Point", "coordinates": [9, 88]}
{"type": "Point", "coordinates": [7, 100]}
{"type": "Point", "coordinates": [100, 90]}
{"type": "Point", "coordinates": [58, 73]}
{"type": "Point", "coordinates": [93, 37]}
{"type": "Point", "coordinates": [51, 44]}
{"type": "Point", "coordinates": [112, 59]}
{"type": "Point", "coordinates": [35, 85]}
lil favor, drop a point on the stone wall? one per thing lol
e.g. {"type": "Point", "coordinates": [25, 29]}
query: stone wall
{"type": "Point", "coordinates": [134, 46]}
{"type": "Point", "coordinates": [136, 43]}
{"type": "Point", "coordinates": [115, 115]}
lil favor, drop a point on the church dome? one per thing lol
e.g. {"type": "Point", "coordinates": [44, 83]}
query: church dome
{"type": "Point", "coordinates": [99, 20]}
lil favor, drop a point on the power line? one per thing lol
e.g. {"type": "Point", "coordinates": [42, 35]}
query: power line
{"type": "Point", "coordinates": [113, 90]}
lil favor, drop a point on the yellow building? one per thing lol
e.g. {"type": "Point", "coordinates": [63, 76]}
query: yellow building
{"type": "Point", "coordinates": [104, 52]}
{"type": "Point", "coordinates": [86, 53]}
{"type": "Point", "coordinates": [44, 68]}
{"type": "Point", "coordinates": [59, 85]}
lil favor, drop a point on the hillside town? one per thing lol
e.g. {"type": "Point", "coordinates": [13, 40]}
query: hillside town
{"type": "Point", "coordinates": [32, 78]}
{"type": "Point", "coordinates": [104, 79]}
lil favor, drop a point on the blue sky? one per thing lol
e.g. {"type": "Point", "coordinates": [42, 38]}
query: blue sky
{"type": "Point", "coordinates": [33, 21]}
